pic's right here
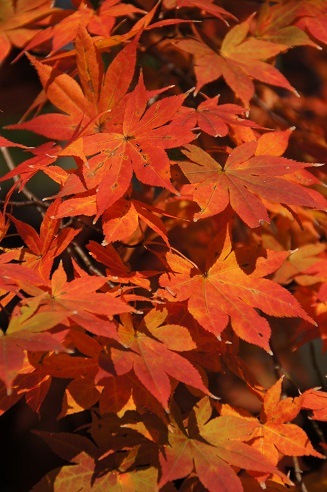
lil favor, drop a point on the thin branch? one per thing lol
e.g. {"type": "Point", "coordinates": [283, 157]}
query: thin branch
{"type": "Point", "coordinates": [87, 262]}
{"type": "Point", "coordinates": [319, 433]}
{"type": "Point", "coordinates": [25, 203]}
{"type": "Point", "coordinates": [279, 119]}
{"type": "Point", "coordinates": [29, 195]}
{"type": "Point", "coordinates": [298, 474]}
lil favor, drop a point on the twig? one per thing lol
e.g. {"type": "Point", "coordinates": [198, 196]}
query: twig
{"type": "Point", "coordinates": [319, 433]}
{"type": "Point", "coordinates": [87, 262]}
{"type": "Point", "coordinates": [29, 195]}
{"type": "Point", "coordinates": [280, 119]}
{"type": "Point", "coordinates": [25, 203]}
{"type": "Point", "coordinates": [298, 474]}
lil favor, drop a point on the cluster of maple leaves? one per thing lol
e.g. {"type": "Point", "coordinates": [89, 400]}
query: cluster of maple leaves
{"type": "Point", "coordinates": [178, 232]}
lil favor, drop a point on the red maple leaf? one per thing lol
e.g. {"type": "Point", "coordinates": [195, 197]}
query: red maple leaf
{"type": "Point", "coordinates": [253, 170]}
{"type": "Point", "coordinates": [140, 147]}
{"type": "Point", "coordinates": [86, 107]}
{"type": "Point", "coordinates": [99, 22]}
{"type": "Point", "coordinates": [313, 18]}
{"type": "Point", "coordinates": [215, 119]}
{"type": "Point", "coordinates": [45, 246]}
{"type": "Point", "coordinates": [204, 5]}
{"type": "Point", "coordinates": [44, 155]}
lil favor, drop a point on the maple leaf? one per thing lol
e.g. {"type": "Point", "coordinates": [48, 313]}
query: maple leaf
{"type": "Point", "coordinates": [276, 433]}
{"type": "Point", "coordinates": [116, 270]}
{"type": "Point", "coordinates": [315, 303]}
{"type": "Point", "coordinates": [210, 448]}
{"type": "Point", "coordinates": [312, 17]}
{"type": "Point", "coordinates": [115, 396]}
{"type": "Point", "coordinates": [204, 5]}
{"type": "Point", "coordinates": [123, 219]}
{"type": "Point", "coordinates": [37, 387]}
{"type": "Point", "coordinates": [120, 221]}
{"type": "Point", "coordinates": [214, 119]}
{"type": "Point", "coordinates": [274, 23]}
{"type": "Point", "coordinates": [78, 302]}
{"type": "Point", "coordinates": [239, 60]}
{"type": "Point", "coordinates": [316, 401]}
{"type": "Point", "coordinates": [44, 155]}
{"type": "Point", "coordinates": [304, 266]}
{"type": "Point", "coordinates": [140, 147]}
{"type": "Point", "coordinates": [252, 171]}
{"type": "Point", "coordinates": [114, 469]}
{"type": "Point", "coordinates": [152, 361]}
{"type": "Point", "coordinates": [68, 445]}
{"type": "Point", "coordinates": [19, 22]}
{"type": "Point", "coordinates": [82, 475]}
{"type": "Point", "coordinates": [14, 276]}
{"type": "Point", "coordinates": [47, 245]}
{"type": "Point", "coordinates": [7, 401]}
{"type": "Point", "coordinates": [29, 383]}
{"type": "Point", "coordinates": [87, 106]}
{"type": "Point", "coordinates": [67, 95]}
{"type": "Point", "coordinates": [80, 394]}
{"type": "Point", "coordinates": [28, 167]}
{"type": "Point", "coordinates": [129, 374]}
{"type": "Point", "coordinates": [316, 271]}
{"type": "Point", "coordinates": [25, 333]}
{"type": "Point", "coordinates": [68, 367]}
{"type": "Point", "coordinates": [225, 292]}
{"type": "Point", "coordinates": [99, 22]}
{"type": "Point", "coordinates": [4, 225]}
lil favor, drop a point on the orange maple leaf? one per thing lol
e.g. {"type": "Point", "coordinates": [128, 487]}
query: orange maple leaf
{"type": "Point", "coordinates": [152, 357]}
{"type": "Point", "coordinates": [45, 246]}
{"type": "Point", "coordinates": [225, 292]}
{"type": "Point", "coordinates": [275, 432]}
{"type": "Point", "coordinates": [210, 448]}
{"type": "Point", "coordinates": [240, 59]}
{"type": "Point", "coordinates": [20, 21]}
